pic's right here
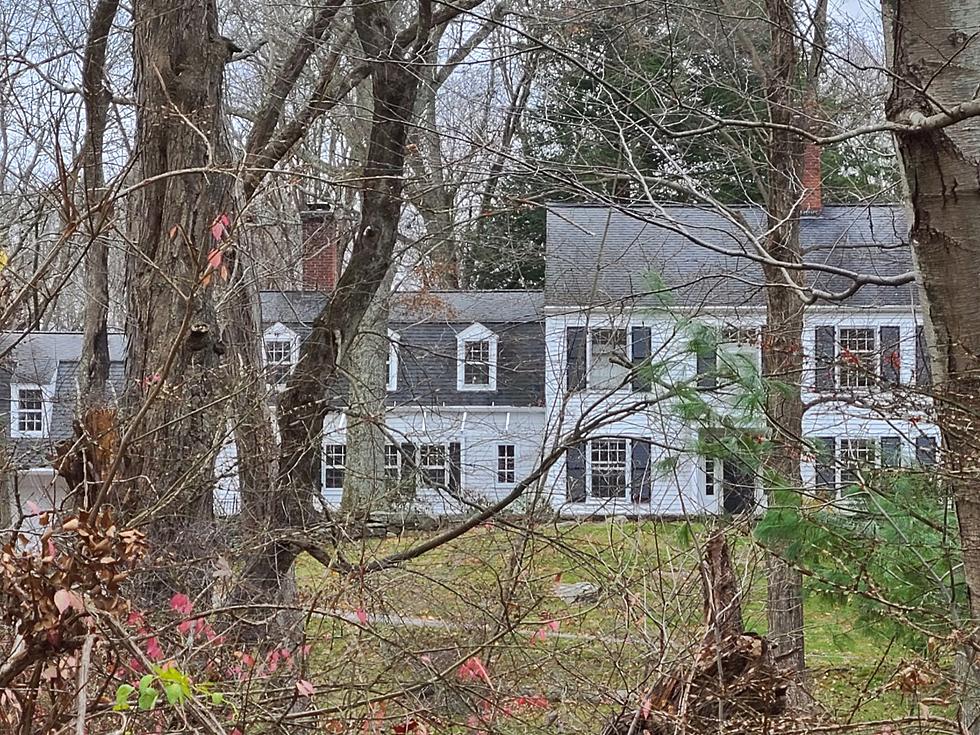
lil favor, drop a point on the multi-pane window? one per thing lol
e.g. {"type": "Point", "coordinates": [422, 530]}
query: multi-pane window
{"type": "Point", "coordinates": [506, 474]}
{"type": "Point", "coordinates": [739, 349]}
{"type": "Point", "coordinates": [856, 455]}
{"type": "Point", "coordinates": [609, 467]}
{"type": "Point", "coordinates": [334, 460]}
{"type": "Point", "coordinates": [392, 463]}
{"type": "Point", "coordinates": [476, 362]}
{"type": "Point", "coordinates": [432, 465]}
{"type": "Point", "coordinates": [278, 360]}
{"type": "Point", "coordinates": [709, 475]}
{"type": "Point", "coordinates": [608, 367]}
{"type": "Point", "coordinates": [857, 358]}
{"type": "Point", "coordinates": [30, 411]}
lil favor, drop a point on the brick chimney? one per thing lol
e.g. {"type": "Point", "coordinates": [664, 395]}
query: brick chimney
{"type": "Point", "coordinates": [812, 180]}
{"type": "Point", "coordinates": [319, 248]}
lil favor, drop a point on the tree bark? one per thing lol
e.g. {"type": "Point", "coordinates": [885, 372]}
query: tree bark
{"type": "Point", "coordinates": [367, 375]}
{"type": "Point", "coordinates": [782, 354]}
{"type": "Point", "coordinates": [934, 59]}
{"type": "Point", "coordinates": [94, 368]}
{"type": "Point", "coordinates": [171, 327]}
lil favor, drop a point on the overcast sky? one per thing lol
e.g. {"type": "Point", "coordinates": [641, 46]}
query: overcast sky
{"type": "Point", "coordinates": [865, 13]}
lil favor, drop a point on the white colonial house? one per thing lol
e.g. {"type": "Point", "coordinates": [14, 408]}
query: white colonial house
{"type": "Point", "coordinates": [641, 351]}
{"type": "Point", "coordinates": [624, 289]}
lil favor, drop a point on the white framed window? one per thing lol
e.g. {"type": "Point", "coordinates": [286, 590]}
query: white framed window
{"type": "Point", "coordinates": [433, 465]}
{"type": "Point", "coordinates": [739, 351]}
{"type": "Point", "coordinates": [476, 359]}
{"type": "Point", "coordinates": [856, 456]}
{"type": "Point", "coordinates": [30, 410]}
{"type": "Point", "coordinates": [711, 475]}
{"type": "Point", "coordinates": [608, 359]}
{"type": "Point", "coordinates": [857, 363]}
{"type": "Point", "coordinates": [506, 464]}
{"type": "Point", "coordinates": [334, 462]}
{"type": "Point", "coordinates": [393, 463]}
{"type": "Point", "coordinates": [280, 353]}
{"type": "Point", "coordinates": [393, 344]}
{"type": "Point", "coordinates": [608, 468]}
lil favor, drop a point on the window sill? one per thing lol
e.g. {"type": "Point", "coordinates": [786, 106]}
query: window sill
{"type": "Point", "coordinates": [476, 388]}
{"type": "Point", "coordinates": [28, 435]}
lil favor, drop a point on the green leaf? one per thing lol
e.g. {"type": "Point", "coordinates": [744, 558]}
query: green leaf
{"type": "Point", "coordinates": [146, 682]}
{"type": "Point", "coordinates": [148, 697]}
{"type": "Point", "coordinates": [122, 697]}
{"type": "Point", "coordinates": [174, 692]}
{"type": "Point", "coordinates": [217, 699]}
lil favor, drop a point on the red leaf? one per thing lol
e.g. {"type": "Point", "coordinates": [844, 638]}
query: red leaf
{"type": "Point", "coordinates": [153, 649]}
{"type": "Point", "coordinates": [181, 603]}
{"type": "Point", "coordinates": [305, 688]}
{"type": "Point", "coordinates": [214, 258]}
{"type": "Point", "coordinates": [473, 669]}
{"type": "Point", "coordinates": [362, 616]}
{"type": "Point", "coordinates": [220, 226]}
{"type": "Point", "coordinates": [550, 626]}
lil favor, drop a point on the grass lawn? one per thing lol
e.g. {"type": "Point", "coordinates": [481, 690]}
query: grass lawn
{"type": "Point", "coordinates": [493, 594]}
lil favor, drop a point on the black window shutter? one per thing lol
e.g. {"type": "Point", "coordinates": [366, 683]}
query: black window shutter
{"type": "Point", "coordinates": [708, 368]}
{"type": "Point", "coordinates": [925, 450]}
{"type": "Point", "coordinates": [891, 451]}
{"type": "Point", "coordinates": [640, 350]}
{"type": "Point", "coordinates": [455, 466]}
{"type": "Point", "coordinates": [575, 473]}
{"type": "Point", "coordinates": [923, 368]}
{"type": "Point", "coordinates": [891, 356]}
{"type": "Point", "coordinates": [824, 354]}
{"type": "Point", "coordinates": [409, 478]}
{"type": "Point", "coordinates": [641, 481]}
{"type": "Point", "coordinates": [575, 343]}
{"type": "Point", "coordinates": [825, 462]}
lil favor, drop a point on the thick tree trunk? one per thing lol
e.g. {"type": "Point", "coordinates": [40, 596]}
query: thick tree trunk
{"type": "Point", "coordinates": [783, 362]}
{"type": "Point", "coordinates": [935, 63]}
{"type": "Point", "coordinates": [782, 356]}
{"type": "Point", "coordinates": [171, 327]}
{"type": "Point", "coordinates": [367, 375]}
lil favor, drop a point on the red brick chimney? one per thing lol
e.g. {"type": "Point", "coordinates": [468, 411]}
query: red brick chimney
{"type": "Point", "coordinates": [319, 248]}
{"type": "Point", "coordinates": [812, 180]}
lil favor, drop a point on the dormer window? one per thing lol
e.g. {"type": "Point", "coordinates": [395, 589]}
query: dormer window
{"type": "Point", "coordinates": [30, 410]}
{"type": "Point", "coordinates": [281, 353]}
{"type": "Point", "coordinates": [476, 359]}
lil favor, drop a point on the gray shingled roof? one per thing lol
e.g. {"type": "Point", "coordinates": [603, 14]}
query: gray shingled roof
{"type": "Point", "coordinates": [467, 306]}
{"type": "Point", "coordinates": [34, 357]}
{"type": "Point", "coordinates": [599, 255]}
{"type": "Point", "coordinates": [409, 307]}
